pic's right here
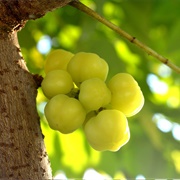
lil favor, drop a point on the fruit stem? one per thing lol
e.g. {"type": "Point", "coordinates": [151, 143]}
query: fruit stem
{"type": "Point", "coordinates": [77, 4]}
{"type": "Point", "coordinates": [74, 93]}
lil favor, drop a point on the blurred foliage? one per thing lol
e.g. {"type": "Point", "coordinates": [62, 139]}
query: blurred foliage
{"type": "Point", "coordinates": [154, 148]}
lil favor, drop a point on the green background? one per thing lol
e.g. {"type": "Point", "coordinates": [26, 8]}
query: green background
{"type": "Point", "coordinates": [153, 150]}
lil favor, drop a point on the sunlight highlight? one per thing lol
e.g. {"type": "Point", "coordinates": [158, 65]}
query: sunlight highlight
{"type": "Point", "coordinates": [176, 131]}
{"type": "Point", "coordinates": [41, 107]}
{"type": "Point", "coordinates": [60, 176]}
{"type": "Point", "coordinates": [164, 71]}
{"type": "Point", "coordinates": [162, 123]}
{"type": "Point", "coordinates": [91, 174]}
{"type": "Point", "coordinates": [140, 177]}
{"type": "Point", "coordinates": [166, 126]}
{"type": "Point", "coordinates": [156, 85]}
{"type": "Point", "coordinates": [44, 44]}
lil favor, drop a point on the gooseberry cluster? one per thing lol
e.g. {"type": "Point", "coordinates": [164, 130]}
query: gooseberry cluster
{"type": "Point", "coordinates": [79, 96]}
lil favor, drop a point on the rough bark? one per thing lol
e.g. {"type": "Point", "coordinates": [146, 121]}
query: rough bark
{"type": "Point", "coordinates": [14, 13]}
{"type": "Point", "coordinates": [22, 150]}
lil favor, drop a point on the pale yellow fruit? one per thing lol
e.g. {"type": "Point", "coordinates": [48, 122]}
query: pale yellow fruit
{"type": "Point", "coordinates": [83, 66]}
{"type": "Point", "coordinates": [108, 130]}
{"type": "Point", "coordinates": [94, 94]}
{"type": "Point", "coordinates": [64, 114]}
{"type": "Point", "coordinates": [57, 59]}
{"type": "Point", "coordinates": [126, 94]}
{"type": "Point", "coordinates": [57, 82]}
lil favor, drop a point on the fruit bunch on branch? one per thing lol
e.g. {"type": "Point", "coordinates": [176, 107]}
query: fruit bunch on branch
{"type": "Point", "coordinates": [79, 96]}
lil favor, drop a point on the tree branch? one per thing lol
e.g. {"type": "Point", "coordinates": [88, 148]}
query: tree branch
{"type": "Point", "coordinates": [15, 13]}
{"type": "Point", "coordinates": [124, 34]}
